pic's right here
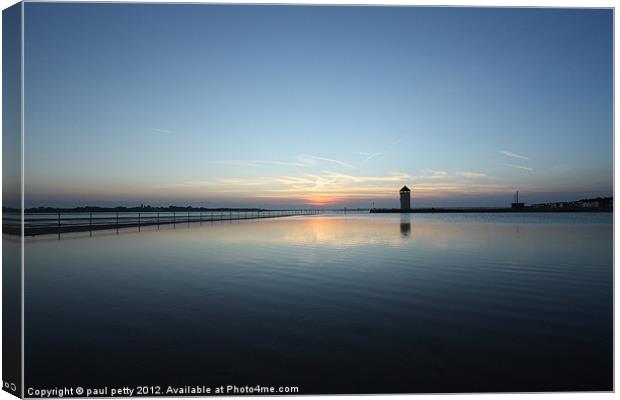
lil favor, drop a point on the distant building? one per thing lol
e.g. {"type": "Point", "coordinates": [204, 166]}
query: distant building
{"type": "Point", "coordinates": [601, 203]}
{"type": "Point", "coordinates": [607, 202]}
{"type": "Point", "coordinates": [516, 203]}
{"type": "Point", "coordinates": [405, 198]}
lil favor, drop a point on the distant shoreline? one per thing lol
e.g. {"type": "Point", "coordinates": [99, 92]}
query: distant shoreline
{"type": "Point", "coordinates": [486, 210]}
{"type": "Point", "coordinates": [422, 210]}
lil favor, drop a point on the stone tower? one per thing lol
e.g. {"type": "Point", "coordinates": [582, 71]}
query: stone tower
{"type": "Point", "coordinates": [405, 198]}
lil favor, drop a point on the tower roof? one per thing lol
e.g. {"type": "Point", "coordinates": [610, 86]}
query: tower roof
{"type": "Point", "coordinates": [405, 189]}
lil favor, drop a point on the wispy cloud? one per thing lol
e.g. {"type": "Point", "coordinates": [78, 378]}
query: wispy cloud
{"type": "Point", "coordinates": [394, 177]}
{"type": "Point", "coordinates": [369, 156]}
{"type": "Point", "coordinates": [302, 161]}
{"type": "Point", "coordinates": [166, 131]}
{"type": "Point", "coordinates": [514, 155]}
{"type": "Point", "coordinates": [304, 181]}
{"type": "Point", "coordinates": [432, 174]}
{"type": "Point", "coordinates": [327, 187]}
{"type": "Point", "coordinates": [332, 186]}
{"type": "Point", "coordinates": [258, 163]}
{"type": "Point", "coordinates": [471, 174]}
{"type": "Point", "coordinates": [520, 167]}
{"type": "Point", "coordinates": [308, 159]}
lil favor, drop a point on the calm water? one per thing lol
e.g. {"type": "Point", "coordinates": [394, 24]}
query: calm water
{"type": "Point", "coordinates": [341, 304]}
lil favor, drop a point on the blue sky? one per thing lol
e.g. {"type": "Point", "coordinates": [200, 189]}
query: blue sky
{"type": "Point", "coordinates": [322, 106]}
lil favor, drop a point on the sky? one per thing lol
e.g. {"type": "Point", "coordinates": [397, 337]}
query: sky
{"type": "Point", "coordinates": [300, 106]}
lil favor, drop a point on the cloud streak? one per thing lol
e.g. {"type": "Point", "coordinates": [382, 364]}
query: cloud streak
{"type": "Point", "coordinates": [303, 160]}
{"type": "Point", "coordinates": [432, 174]}
{"type": "Point", "coordinates": [369, 156]}
{"type": "Point", "coordinates": [258, 163]}
{"type": "Point", "coordinates": [304, 181]}
{"type": "Point", "coordinates": [471, 174]}
{"type": "Point", "coordinates": [524, 168]}
{"type": "Point", "coordinates": [338, 187]}
{"type": "Point", "coordinates": [309, 159]}
{"type": "Point", "coordinates": [166, 131]}
{"type": "Point", "coordinates": [514, 155]}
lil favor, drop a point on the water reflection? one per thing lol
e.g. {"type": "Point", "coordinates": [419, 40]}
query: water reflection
{"type": "Point", "coordinates": [405, 225]}
{"type": "Point", "coordinates": [340, 304]}
{"type": "Point", "coordinates": [315, 231]}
